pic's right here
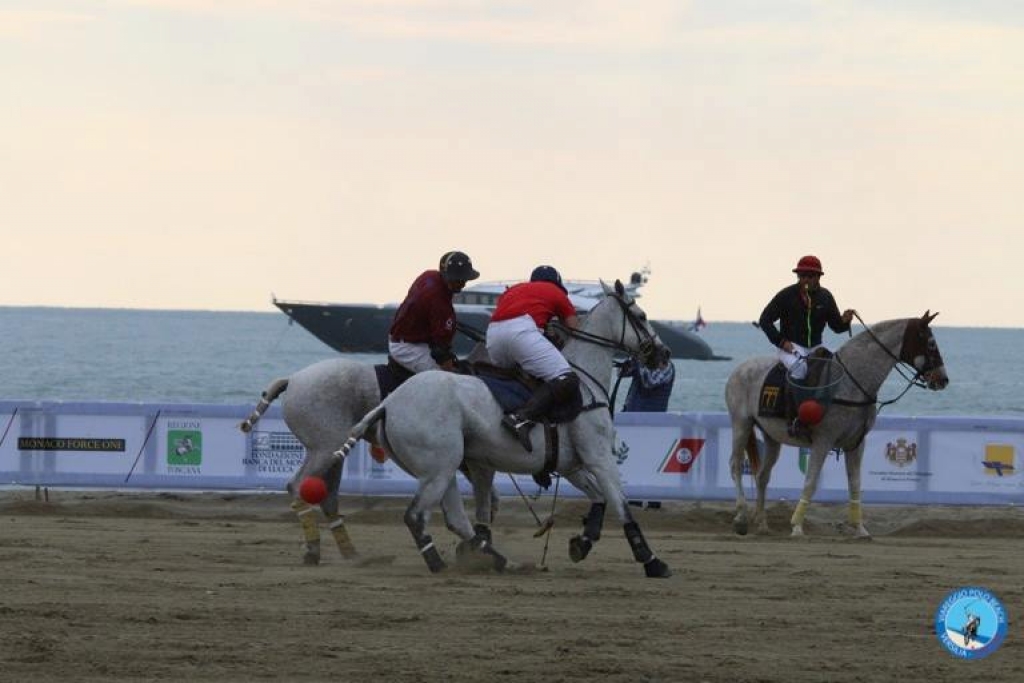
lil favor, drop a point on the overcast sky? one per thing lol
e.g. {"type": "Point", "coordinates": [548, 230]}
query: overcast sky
{"type": "Point", "coordinates": [202, 154]}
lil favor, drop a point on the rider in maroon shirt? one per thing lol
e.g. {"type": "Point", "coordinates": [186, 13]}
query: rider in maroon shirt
{"type": "Point", "coordinates": [421, 334]}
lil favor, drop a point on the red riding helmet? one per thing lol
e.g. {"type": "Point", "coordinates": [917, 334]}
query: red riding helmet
{"type": "Point", "coordinates": [809, 264]}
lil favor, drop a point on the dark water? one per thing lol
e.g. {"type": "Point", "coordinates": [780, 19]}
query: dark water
{"type": "Point", "coordinates": [53, 354]}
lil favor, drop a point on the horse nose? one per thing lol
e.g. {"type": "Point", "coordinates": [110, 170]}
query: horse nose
{"type": "Point", "coordinates": [939, 380]}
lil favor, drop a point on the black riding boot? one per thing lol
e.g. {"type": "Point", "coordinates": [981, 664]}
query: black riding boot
{"type": "Point", "coordinates": [546, 396]}
{"type": "Point", "coordinates": [521, 421]}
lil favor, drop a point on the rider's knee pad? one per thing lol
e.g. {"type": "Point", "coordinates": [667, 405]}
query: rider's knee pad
{"type": "Point", "coordinates": [565, 386]}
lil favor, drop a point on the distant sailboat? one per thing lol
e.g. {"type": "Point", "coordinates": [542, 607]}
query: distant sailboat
{"type": "Point", "coordinates": [698, 324]}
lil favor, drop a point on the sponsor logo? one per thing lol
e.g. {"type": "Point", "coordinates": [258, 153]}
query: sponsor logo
{"type": "Point", "coordinates": [681, 456]}
{"type": "Point", "coordinates": [999, 460]}
{"type": "Point", "coordinates": [274, 453]}
{"type": "Point", "coordinates": [70, 443]}
{"type": "Point", "coordinates": [620, 449]}
{"type": "Point", "coordinates": [971, 622]}
{"type": "Point", "coordinates": [184, 446]}
{"type": "Point", "coordinates": [901, 453]}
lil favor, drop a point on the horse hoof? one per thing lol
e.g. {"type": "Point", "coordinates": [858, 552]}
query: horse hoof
{"type": "Point", "coordinates": [310, 555]}
{"type": "Point", "coordinates": [656, 569]}
{"type": "Point", "coordinates": [579, 548]}
{"type": "Point", "coordinates": [740, 527]}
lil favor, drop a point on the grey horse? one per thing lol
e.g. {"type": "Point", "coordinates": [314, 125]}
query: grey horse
{"type": "Point", "coordinates": [324, 401]}
{"type": "Point", "coordinates": [867, 359]}
{"type": "Point", "coordinates": [435, 420]}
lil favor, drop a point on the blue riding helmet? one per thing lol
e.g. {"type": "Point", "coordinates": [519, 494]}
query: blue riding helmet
{"type": "Point", "coordinates": [547, 274]}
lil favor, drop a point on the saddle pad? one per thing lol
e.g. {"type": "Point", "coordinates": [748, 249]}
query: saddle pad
{"type": "Point", "coordinates": [511, 394]}
{"type": "Point", "coordinates": [773, 399]}
{"type": "Point", "coordinates": [390, 377]}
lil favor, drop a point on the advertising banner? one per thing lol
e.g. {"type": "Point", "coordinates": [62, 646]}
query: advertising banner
{"type": "Point", "coordinates": [949, 460]}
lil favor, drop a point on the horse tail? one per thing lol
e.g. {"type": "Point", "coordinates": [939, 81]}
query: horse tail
{"type": "Point", "coordinates": [276, 388]}
{"type": "Point", "coordinates": [753, 454]}
{"type": "Point", "coordinates": [359, 430]}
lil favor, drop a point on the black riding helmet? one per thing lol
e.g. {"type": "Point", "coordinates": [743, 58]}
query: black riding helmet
{"type": "Point", "coordinates": [547, 274]}
{"type": "Point", "coordinates": [456, 266]}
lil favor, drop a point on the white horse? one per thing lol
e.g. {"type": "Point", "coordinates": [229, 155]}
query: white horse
{"type": "Point", "coordinates": [435, 420]}
{"type": "Point", "coordinates": [324, 401]}
{"type": "Point", "coordinates": [867, 359]}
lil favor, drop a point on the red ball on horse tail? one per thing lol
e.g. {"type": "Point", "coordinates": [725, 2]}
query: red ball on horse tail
{"type": "Point", "coordinates": [810, 412]}
{"type": "Point", "coordinates": [313, 490]}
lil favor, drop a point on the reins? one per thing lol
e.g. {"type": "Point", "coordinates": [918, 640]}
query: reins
{"type": "Point", "coordinates": [646, 343]}
{"type": "Point", "coordinates": [873, 400]}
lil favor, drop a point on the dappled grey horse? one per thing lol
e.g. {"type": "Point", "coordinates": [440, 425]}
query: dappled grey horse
{"type": "Point", "coordinates": [324, 401]}
{"type": "Point", "coordinates": [867, 359]}
{"type": "Point", "coordinates": [435, 420]}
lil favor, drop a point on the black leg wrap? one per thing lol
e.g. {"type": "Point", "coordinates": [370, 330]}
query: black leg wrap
{"type": "Point", "coordinates": [579, 548]}
{"type": "Point", "coordinates": [637, 542]}
{"type": "Point", "coordinates": [653, 567]}
{"type": "Point", "coordinates": [430, 555]}
{"type": "Point", "coordinates": [593, 521]}
{"type": "Point", "coordinates": [482, 531]}
{"type": "Point", "coordinates": [480, 545]}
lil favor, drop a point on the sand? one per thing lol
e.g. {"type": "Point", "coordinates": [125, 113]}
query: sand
{"type": "Point", "coordinates": [102, 586]}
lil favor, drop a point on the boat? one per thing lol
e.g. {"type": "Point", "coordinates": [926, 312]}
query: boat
{"type": "Point", "coordinates": [363, 328]}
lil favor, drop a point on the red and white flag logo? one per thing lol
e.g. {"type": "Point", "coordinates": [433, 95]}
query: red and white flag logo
{"type": "Point", "coordinates": [681, 456]}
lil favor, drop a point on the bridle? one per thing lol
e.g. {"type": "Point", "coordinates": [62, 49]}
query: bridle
{"type": "Point", "coordinates": [919, 354]}
{"type": "Point", "coordinates": [645, 352]}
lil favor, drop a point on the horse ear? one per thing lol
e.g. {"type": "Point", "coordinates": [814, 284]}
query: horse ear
{"type": "Point", "coordinates": [928, 317]}
{"type": "Point", "coordinates": [605, 288]}
{"type": "Point", "coordinates": [619, 288]}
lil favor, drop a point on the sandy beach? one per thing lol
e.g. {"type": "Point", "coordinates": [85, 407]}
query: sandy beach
{"type": "Point", "coordinates": [104, 586]}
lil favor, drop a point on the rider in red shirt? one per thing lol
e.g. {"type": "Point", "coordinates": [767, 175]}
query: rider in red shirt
{"type": "Point", "coordinates": [421, 334]}
{"type": "Point", "coordinates": [515, 336]}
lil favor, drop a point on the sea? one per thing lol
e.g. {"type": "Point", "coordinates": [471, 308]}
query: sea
{"type": "Point", "coordinates": [228, 358]}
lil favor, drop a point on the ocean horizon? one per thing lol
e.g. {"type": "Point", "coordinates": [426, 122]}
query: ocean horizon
{"type": "Point", "coordinates": [228, 357]}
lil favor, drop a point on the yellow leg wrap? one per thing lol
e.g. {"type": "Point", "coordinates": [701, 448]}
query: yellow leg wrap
{"type": "Point", "coordinates": [307, 518]}
{"type": "Point", "coordinates": [856, 514]}
{"type": "Point", "coordinates": [798, 515]}
{"type": "Point", "coordinates": [340, 533]}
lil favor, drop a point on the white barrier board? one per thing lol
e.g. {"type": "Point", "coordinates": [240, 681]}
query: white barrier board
{"type": "Point", "coordinates": [955, 460]}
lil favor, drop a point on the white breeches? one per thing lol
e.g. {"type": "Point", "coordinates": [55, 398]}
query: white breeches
{"type": "Point", "coordinates": [519, 341]}
{"type": "Point", "coordinates": [795, 360]}
{"type": "Point", "coordinates": [412, 357]}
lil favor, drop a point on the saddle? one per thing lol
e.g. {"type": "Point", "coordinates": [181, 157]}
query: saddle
{"type": "Point", "coordinates": [390, 376]}
{"type": "Point", "coordinates": [511, 388]}
{"type": "Point", "coordinates": [778, 398]}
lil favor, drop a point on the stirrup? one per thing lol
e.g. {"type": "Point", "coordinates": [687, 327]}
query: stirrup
{"type": "Point", "coordinates": [521, 428]}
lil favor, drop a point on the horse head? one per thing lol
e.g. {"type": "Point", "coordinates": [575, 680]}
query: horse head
{"type": "Point", "coordinates": [921, 351]}
{"type": "Point", "coordinates": [636, 335]}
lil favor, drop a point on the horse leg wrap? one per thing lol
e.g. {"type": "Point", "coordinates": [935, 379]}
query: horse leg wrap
{"type": "Point", "coordinates": [307, 518]}
{"type": "Point", "coordinates": [341, 538]}
{"type": "Point", "coordinates": [310, 532]}
{"type": "Point", "coordinates": [653, 567]}
{"type": "Point", "coordinates": [430, 555]}
{"type": "Point", "coordinates": [637, 542]}
{"type": "Point", "coordinates": [593, 522]}
{"type": "Point", "coordinates": [483, 532]}
{"type": "Point", "coordinates": [799, 513]}
{"type": "Point", "coordinates": [482, 543]}
{"type": "Point", "coordinates": [855, 515]}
